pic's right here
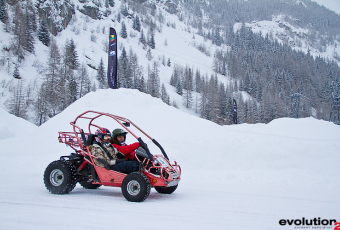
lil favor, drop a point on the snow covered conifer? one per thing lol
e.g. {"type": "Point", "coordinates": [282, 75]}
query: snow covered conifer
{"type": "Point", "coordinates": [149, 54]}
{"type": "Point", "coordinates": [17, 103]}
{"type": "Point", "coordinates": [18, 42]}
{"type": "Point", "coordinates": [123, 32]}
{"type": "Point", "coordinates": [3, 11]}
{"type": "Point", "coordinates": [153, 81]}
{"type": "Point", "coordinates": [43, 33]}
{"type": "Point", "coordinates": [164, 95]}
{"type": "Point", "coordinates": [101, 75]}
{"type": "Point", "coordinates": [216, 37]}
{"type": "Point", "coordinates": [72, 89]}
{"type": "Point", "coordinates": [16, 73]}
{"type": "Point", "coordinates": [136, 24]}
{"type": "Point", "coordinates": [84, 81]}
{"type": "Point", "coordinates": [124, 10]}
{"type": "Point", "coordinates": [142, 39]}
{"type": "Point", "coordinates": [124, 76]}
{"type": "Point", "coordinates": [151, 40]}
{"type": "Point", "coordinates": [72, 55]}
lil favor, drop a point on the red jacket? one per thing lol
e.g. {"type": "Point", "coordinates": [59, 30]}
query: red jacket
{"type": "Point", "coordinates": [127, 150]}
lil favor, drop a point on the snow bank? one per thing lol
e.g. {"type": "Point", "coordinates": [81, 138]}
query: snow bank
{"type": "Point", "coordinates": [308, 128]}
{"type": "Point", "coordinates": [12, 126]}
{"type": "Point", "coordinates": [259, 173]}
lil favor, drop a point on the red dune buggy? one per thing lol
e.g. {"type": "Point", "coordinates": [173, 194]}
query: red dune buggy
{"type": "Point", "coordinates": [156, 171]}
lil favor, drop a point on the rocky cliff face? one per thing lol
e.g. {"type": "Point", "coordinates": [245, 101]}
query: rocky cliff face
{"type": "Point", "coordinates": [12, 2]}
{"type": "Point", "coordinates": [57, 14]}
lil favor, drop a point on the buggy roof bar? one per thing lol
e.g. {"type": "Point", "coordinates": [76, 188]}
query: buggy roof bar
{"type": "Point", "coordinates": [121, 121]}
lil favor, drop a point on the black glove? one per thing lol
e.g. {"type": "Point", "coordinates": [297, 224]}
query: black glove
{"type": "Point", "coordinates": [120, 155]}
{"type": "Point", "coordinates": [142, 143]}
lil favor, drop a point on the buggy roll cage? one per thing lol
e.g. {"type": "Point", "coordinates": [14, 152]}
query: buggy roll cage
{"type": "Point", "coordinates": [124, 122]}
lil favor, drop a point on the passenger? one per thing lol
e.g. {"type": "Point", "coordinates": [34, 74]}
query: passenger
{"type": "Point", "coordinates": [102, 149]}
{"type": "Point", "coordinates": [118, 141]}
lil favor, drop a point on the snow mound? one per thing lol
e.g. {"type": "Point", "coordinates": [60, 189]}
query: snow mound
{"type": "Point", "coordinates": [12, 126]}
{"type": "Point", "coordinates": [227, 171]}
{"type": "Point", "coordinates": [309, 128]}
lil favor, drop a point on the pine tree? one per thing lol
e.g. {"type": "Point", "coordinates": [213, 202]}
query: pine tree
{"type": "Point", "coordinates": [124, 10]}
{"type": "Point", "coordinates": [142, 85]}
{"type": "Point", "coordinates": [53, 63]}
{"type": "Point", "coordinates": [53, 80]}
{"type": "Point", "coordinates": [223, 103]}
{"type": "Point", "coordinates": [153, 81]}
{"type": "Point", "coordinates": [16, 73]}
{"type": "Point", "coordinates": [142, 39]}
{"type": "Point", "coordinates": [118, 17]}
{"type": "Point", "coordinates": [71, 55]}
{"type": "Point", "coordinates": [134, 70]}
{"type": "Point", "coordinates": [83, 81]}
{"type": "Point", "coordinates": [198, 82]}
{"type": "Point", "coordinates": [41, 105]}
{"type": "Point", "coordinates": [151, 40]}
{"type": "Point", "coordinates": [43, 33]}
{"type": "Point", "coordinates": [124, 76]}
{"type": "Point", "coordinates": [187, 99]}
{"type": "Point", "coordinates": [123, 32]}
{"type": "Point", "coordinates": [18, 42]}
{"type": "Point", "coordinates": [149, 54]}
{"type": "Point", "coordinates": [188, 86]}
{"type": "Point", "coordinates": [101, 75]}
{"type": "Point", "coordinates": [179, 87]}
{"type": "Point", "coordinates": [203, 103]}
{"type": "Point", "coordinates": [17, 103]}
{"type": "Point", "coordinates": [136, 24]}
{"type": "Point", "coordinates": [164, 95]}
{"type": "Point", "coordinates": [216, 39]}
{"type": "Point", "coordinates": [3, 11]}
{"type": "Point", "coordinates": [30, 26]}
{"type": "Point", "coordinates": [73, 89]}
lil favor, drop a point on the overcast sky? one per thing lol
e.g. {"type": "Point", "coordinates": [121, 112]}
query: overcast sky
{"type": "Point", "coordinates": [330, 4]}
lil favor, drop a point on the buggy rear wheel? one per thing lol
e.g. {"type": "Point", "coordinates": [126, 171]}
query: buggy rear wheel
{"type": "Point", "coordinates": [89, 185]}
{"type": "Point", "coordinates": [166, 190]}
{"type": "Point", "coordinates": [59, 177]}
{"type": "Point", "coordinates": [136, 187]}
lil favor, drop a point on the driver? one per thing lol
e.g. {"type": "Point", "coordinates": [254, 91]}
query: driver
{"type": "Point", "coordinates": [118, 141]}
{"type": "Point", "coordinates": [102, 149]}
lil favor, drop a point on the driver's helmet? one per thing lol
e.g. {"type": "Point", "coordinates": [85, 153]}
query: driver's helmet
{"type": "Point", "coordinates": [103, 136]}
{"type": "Point", "coordinates": [116, 133]}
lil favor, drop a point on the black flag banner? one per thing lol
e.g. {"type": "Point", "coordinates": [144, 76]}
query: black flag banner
{"type": "Point", "coordinates": [112, 66]}
{"type": "Point", "coordinates": [235, 111]}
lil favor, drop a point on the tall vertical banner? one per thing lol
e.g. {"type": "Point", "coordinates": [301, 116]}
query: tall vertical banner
{"type": "Point", "coordinates": [112, 65]}
{"type": "Point", "coordinates": [235, 111]}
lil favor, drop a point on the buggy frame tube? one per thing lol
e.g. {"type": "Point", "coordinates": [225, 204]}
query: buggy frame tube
{"type": "Point", "coordinates": [119, 120]}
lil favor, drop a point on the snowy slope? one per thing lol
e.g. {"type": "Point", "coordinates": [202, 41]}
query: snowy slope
{"type": "Point", "coordinates": [14, 127]}
{"type": "Point", "coordinates": [174, 43]}
{"type": "Point", "coordinates": [296, 37]}
{"type": "Point", "coordinates": [177, 43]}
{"type": "Point", "coordinates": [234, 177]}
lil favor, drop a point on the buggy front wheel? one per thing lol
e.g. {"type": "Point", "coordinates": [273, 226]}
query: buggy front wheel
{"type": "Point", "coordinates": [166, 190]}
{"type": "Point", "coordinates": [136, 187]}
{"type": "Point", "coordinates": [59, 177]}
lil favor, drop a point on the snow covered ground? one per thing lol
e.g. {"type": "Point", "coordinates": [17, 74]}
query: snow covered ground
{"type": "Point", "coordinates": [233, 177]}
